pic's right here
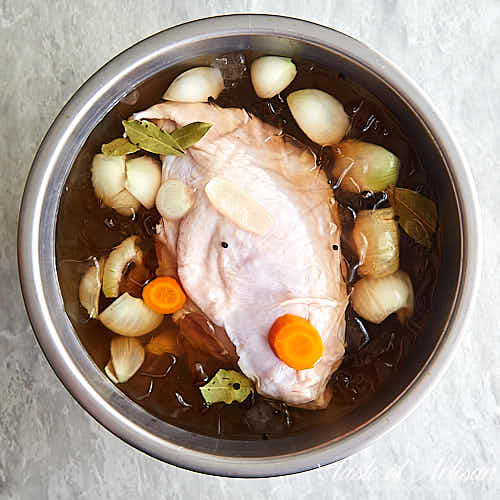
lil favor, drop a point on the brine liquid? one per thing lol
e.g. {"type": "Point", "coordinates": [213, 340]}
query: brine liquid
{"type": "Point", "coordinates": [167, 386]}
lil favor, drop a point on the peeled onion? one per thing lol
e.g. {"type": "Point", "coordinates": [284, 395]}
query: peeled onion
{"type": "Point", "coordinates": [127, 251]}
{"type": "Point", "coordinates": [130, 317]}
{"type": "Point", "coordinates": [90, 287]}
{"type": "Point", "coordinates": [195, 85]}
{"type": "Point", "coordinates": [238, 206]}
{"type": "Point", "coordinates": [361, 166]}
{"type": "Point", "coordinates": [127, 356]}
{"type": "Point", "coordinates": [108, 176]}
{"type": "Point", "coordinates": [125, 203]}
{"type": "Point", "coordinates": [320, 116]}
{"type": "Point", "coordinates": [143, 178]}
{"type": "Point", "coordinates": [271, 75]}
{"type": "Point", "coordinates": [376, 298]}
{"type": "Point", "coordinates": [109, 179]}
{"type": "Point", "coordinates": [174, 199]}
{"type": "Point", "coordinates": [376, 237]}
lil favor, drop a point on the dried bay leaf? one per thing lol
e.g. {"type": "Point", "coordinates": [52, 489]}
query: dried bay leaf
{"type": "Point", "coordinates": [226, 386]}
{"type": "Point", "coordinates": [119, 147]}
{"type": "Point", "coordinates": [190, 134]}
{"type": "Point", "coordinates": [152, 138]}
{"type": "Point", "coordinates": [417, 214]}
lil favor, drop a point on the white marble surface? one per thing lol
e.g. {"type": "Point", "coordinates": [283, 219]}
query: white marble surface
{"type": "Point", "coordinates": [51, 449]}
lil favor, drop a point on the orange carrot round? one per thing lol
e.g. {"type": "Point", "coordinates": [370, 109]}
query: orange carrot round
{"type": "Point", "coordinates": [164, 295]}
{"type": "Point", "coordinates": [296, 342]}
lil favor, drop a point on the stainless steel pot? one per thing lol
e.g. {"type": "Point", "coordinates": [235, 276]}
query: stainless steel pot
{"type": "Point", "coordinates": [74, 128]}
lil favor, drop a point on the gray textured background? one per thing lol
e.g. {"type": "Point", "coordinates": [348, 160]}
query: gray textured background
{"type": "Point", "coordinates": [51, 449]}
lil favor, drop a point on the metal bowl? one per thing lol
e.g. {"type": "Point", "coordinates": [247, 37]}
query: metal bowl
{"type": "Point", "coordinates": [78, 122]}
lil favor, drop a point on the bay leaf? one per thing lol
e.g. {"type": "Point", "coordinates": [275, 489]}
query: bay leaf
{"type": "Point", "coordinates": [119, 147]}
{"type": "Point", "coordinates": [226, 386]}
{"type": "Point", "coordinates": [190, 134]}
{"type": "Point", "coordinates": [152, 138]}
{"type": "Point", "coordinates": [417, 214]}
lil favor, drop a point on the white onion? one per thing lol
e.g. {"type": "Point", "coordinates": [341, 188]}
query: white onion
{"type": "Point", "coordinates": [320, 116]}
{"type": "Point", "coordinates": [195, 85]}
{"type": "Point", "coordinates": [361, 166]}
{"type": "Point", "coordinates": [238, 206]}
{"type": "Point", "coordinates": [376, 238]}
{"type": "Point", "coordinates": [376, 298]}
{"type": "Point", "coordinates": [124, 203]}
{"type": "Point", "coordinates": [143, 178]}
{"type": "Point", "coordinates": [127, 251]}
{"type": "Point", "coordinates": [90, 287]}
{"type": "Point", "coordinates": [108, 176]}
{"type": "Point", "coordinates": [174, 199]}
{"type": "Point", "coordinates": [130, 317]}
{"type": "Point", "coordinates": [127, 356]}
{"type": "Point", "coordinates": [271, 75]}
{"type": "Point", "coordinates": [109, 179]}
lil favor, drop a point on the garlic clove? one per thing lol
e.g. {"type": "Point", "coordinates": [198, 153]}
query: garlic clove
{"type": "Point", "coordinates": [320, 116]}
{"type": "Point", "coordinates": [238, 206]}
{"type": "Point", "coordinates": [376, 237]}
{"type": "Point", "coordinates": [361, 166]}
{"type": "Point", "coordinates": [174, 199]}
{"type": "Point", "coordinates": [374, 299]}
{"type": "Point", "coordinates": [143, 178]}
{"type": "Point", "coordinates": [116, 263]}
{"type": "Point", "coordinates": [127, 356]}
{"type": "Point", "coordinates": [196, 85]}
{"type": "Point", "coordinates": [271, 75]}
{"type": "Point", "coordinates": [90, 287]}
{"type": "Point", "coordinates": [108, 176]}
{"type": "Point", "coordinates": [130, 317]}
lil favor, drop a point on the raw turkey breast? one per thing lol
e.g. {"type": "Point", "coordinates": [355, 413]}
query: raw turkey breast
{"type": "Point", "coordinates": [244, 274]}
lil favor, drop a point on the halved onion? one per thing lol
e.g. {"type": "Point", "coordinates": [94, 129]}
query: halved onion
{"type": "Point", "coordinates": [376, 298]}
{"type": "Point", "coordinates": [109, 179]}
{"type": "Point", "coordinates": [130, 317]}
{"type": "Point", "coordinates": [361, 166]}
{"type": "Point", "coordinates": [195, 85]}
{"type": "Point", "coordinates": [127, 356]}
{"type": "Point", "coordinates": [125, 203]}
{"type": "Point", "coordinates": [174, 199]}
{"type": "Point", "coordinates": [271, 74]}
{"type": "Point", "coordinates": [90, 287]}
{"type": "Point", "coordinates": [238, 206]}
{"type": "Point", "coordinates": [127, 251]}
{"type": "Point", "coordinates": [376, 237]}
{"type": "Point", "coordinates": [143, 178]}
{"type": "Point", "coordinates": [320, 116]}
{"type": "Point", "coordinates": [108, 176]}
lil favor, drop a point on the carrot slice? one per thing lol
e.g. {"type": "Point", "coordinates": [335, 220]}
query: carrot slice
{"type": "Point", "coordinates": [164, 295]}
{"type": "Point", "coordinates": [296, 342]}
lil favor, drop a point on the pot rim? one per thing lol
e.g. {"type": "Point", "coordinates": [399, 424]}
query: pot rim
{"type": "Point", "coordinates": [36, 255]}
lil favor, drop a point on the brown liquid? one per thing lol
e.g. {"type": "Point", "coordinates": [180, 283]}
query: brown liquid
{"type": "Point", "coordinates": [165, 386]}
